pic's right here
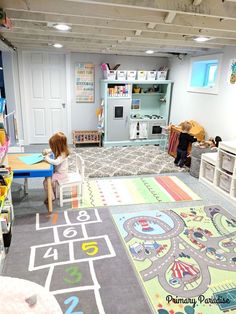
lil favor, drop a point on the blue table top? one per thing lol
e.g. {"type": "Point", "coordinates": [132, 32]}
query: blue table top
{"type": "Point", "coordinates": [22, 170]}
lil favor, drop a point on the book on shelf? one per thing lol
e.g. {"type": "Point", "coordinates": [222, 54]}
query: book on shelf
{"type": "Point", "coordinates": [2, 180]}
{"type": "Point", "coordinates": [4, 225]}
{"type": "Point", "coordinates": [4, 171]}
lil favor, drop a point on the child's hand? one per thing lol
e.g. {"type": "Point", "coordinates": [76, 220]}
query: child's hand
{"type": "Point", "coordinates": [45, 152]}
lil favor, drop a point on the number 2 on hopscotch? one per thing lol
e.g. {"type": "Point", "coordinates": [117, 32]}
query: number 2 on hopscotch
{"type": "Point", "coordinates": [74, 302]}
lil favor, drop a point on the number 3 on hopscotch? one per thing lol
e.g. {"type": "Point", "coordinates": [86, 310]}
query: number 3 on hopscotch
{"type": "Point", "coordinates": [74, 302]}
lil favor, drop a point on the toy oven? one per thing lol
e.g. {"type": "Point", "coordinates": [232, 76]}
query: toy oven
{"type": "Point", "coordinates": [154, 128]}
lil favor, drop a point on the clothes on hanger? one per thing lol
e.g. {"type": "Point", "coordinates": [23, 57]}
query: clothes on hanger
{"type": "Point", "coordinates": [133, 130]}
{"type": "Point", "coordinates": [143, 129]}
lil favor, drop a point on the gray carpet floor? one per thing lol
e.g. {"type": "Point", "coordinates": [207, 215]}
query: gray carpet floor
{"type": "Point", "coordinates": [33, 203]}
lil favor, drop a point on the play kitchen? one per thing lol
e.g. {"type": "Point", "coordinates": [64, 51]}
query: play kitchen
{"type": "Point", "coordinates": [147, 115]}
{"type": "Point", "coordinates": [135, 113]}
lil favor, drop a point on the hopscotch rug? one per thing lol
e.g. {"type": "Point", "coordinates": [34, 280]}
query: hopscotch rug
{"type": "Point", "coordinates": [111, 192]}
{"type": "Point", "coordinates": [79, 258]}
{"type": "Point", "coordinates": [185, 258]}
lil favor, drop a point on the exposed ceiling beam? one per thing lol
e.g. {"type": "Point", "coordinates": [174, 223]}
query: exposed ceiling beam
{"type": "Point", "coordinates": [213, 8]}
{"type": "Point", "coordinates": [123, 25]}
{"type": "Point", "coordinates": [31, 28]}
{"type": "Point", "coordinates": [138, 32]}
{"type": "Point", "coordinates": [151, 25]}
{"type": "Point", "coordinates": [114, 18]}
{"type": "Point", "coordinates": [79, 47]}
{"type": "Point", "coordinates": [161, 28]}
{"type": "Point", "coordinates": [210, 8]}
{"type": "Point", "coordinates": [170, 17]}
{"type": "Point", "coordinates": [134, 41]}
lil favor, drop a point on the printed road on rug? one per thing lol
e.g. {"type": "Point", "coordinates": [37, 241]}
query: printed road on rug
{"type": "Point", "coordinates": [77, 256]}
{"type": "Point", "coordinates": [105, 192]}
{"type": "Point", "coordinates": [185, 257]}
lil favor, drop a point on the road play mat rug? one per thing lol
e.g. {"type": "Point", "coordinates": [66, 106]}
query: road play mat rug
{"type": "Point", "coordinates": [185, 258]}
{"type": "Point", "coordinates": [79, 258]}
{"type": "Point", "coordinates": [135, 191]}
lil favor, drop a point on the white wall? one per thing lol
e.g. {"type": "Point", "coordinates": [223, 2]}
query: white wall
{"type": "Point", "coordinates": [83, 115]}
{"type": "Point", "coordinates": [216, 113]}
{"type": "Point", "coordinates": [11, 82]}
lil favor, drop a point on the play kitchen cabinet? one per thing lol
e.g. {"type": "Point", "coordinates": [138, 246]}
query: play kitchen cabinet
{"type": "Point", "coordinates": [221, 174]}
{"type": "Point", "coordinates": [135, 112]}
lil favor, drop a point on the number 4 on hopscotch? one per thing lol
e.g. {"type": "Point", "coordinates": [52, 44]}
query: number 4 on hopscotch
{"type": "Point", "coordinates": [74, 302]}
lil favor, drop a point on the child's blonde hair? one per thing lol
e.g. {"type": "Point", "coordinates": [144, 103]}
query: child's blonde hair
{"type": "Point", "coordinates": [186, 126]}
{"type": "Point", "coordinates": [58, 144]}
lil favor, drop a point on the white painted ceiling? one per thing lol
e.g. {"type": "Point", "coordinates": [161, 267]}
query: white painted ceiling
{"type": "Point", "coordinates": [124, 27]}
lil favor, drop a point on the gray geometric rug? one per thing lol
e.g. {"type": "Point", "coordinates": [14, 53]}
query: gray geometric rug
{"type": "Point", "coordinates": [124, 161]}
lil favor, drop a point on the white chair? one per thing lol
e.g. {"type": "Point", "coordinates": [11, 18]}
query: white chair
{"type": "Point", "coordinates": [74, 179]}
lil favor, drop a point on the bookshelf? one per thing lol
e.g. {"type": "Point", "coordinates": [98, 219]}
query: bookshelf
{"type": "Point", "coordinates": [6, 177]}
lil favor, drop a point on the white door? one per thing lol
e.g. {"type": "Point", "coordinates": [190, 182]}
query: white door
{"type": "Point", "coordinates": [45, 88]}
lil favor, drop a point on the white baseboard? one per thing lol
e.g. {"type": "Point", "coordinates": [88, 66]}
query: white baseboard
{"type": "Point", "coordinates": [16, 149]}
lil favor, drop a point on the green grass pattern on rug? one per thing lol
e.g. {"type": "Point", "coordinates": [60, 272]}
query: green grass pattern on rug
{"type": "Point", "coordinates": [185, 257]}
{"type": "Point", "coordinates": [110, 192]}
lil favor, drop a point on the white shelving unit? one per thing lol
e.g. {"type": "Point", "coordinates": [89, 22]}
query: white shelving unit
{"type": "Point", "coordinates": [6, 176]}
{"type": "Point", "coordinates": [218, 170]}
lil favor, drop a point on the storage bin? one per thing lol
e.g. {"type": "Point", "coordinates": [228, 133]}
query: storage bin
{"type": "Point", "coordinates": [151, 75]}
{"type": "Point", "coordinates": [195, 167]}
{"type": "Point", "coordinates": [228, 162]}
{"type": "Point", "coordinates": [161, 75]}
{"type": "Point", "coordinates": [142, 75]}
{"type": "Point", "coordinates": [224, 182]}
{"type": "Point", "coordinates": [209, 172]}
{"type": "Point", "coordinates": [110, 75]}
{"type": "Point", "coordinates": [121, 75]}
{"type": "Point", "coordinates": [131, 75]}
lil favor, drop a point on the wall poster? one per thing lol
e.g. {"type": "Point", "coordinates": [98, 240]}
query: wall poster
{"type": "Point", "coordinates": [85, 82]}
{"type": "Point", "coordinates": [232, 70]}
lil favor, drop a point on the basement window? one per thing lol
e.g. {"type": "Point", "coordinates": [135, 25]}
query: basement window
{"type": "Point", "coordinates": [204, 74]}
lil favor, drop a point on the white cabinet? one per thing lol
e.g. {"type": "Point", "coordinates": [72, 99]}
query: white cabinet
{"type": "Point", "coordinates": [135, 112]}
{"type": "Point", "coordinates": [218, 170]}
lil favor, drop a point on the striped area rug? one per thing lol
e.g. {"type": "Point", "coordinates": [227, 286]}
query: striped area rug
{"type": "Point", "coordinates": [125, 191]}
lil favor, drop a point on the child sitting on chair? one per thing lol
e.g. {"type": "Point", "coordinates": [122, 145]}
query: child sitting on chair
{"type": "Point", "coordinates": [59, 147]}
{"type": "Point", "coordinates": [184, 139]}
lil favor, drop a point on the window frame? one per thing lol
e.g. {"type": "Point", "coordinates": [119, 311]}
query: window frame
{"type": "Point", "coordinates": [208, 89]}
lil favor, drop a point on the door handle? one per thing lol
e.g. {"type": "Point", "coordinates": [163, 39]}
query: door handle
{"type": "Point", "coordinates": [126, 120]}
{"type": "Point", "coordinates": [63, 105]}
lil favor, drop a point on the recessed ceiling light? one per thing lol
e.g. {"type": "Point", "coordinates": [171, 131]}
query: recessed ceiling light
{"type": "Point", "coordinates": [201, 39]}
{"type": "Point", "coordinates": [57, 45]}
{"type": "Point", "coordinates": [62, 27]}
{"type": "Point", "coordinates": [149, 52]}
